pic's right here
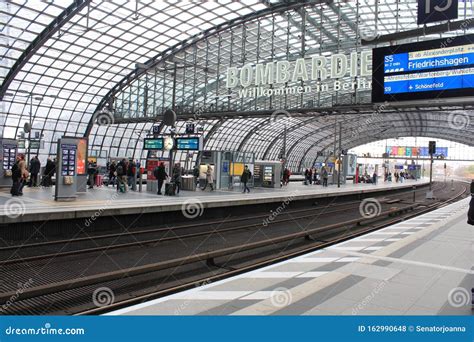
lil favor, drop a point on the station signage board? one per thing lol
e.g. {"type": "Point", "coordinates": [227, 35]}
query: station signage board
{"type": "Point", "coordinates": [189, 143]}
{"type": "Point", "coordinates": [430, 11]}
{"type": "Point", "coordinates": [433, 69]}
{"type": "Point", "coordinates": [320, 74]}
{"type": "Point", "coordinates": [153, 144]}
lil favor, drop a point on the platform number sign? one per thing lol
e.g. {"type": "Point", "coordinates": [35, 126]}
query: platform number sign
{"type": "Point", "coordinates": [190, 128]}
{"type": "Point", "coordinates": [430, 11]}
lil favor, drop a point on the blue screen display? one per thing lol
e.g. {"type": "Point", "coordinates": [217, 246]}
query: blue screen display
{"type": "Point", "coordinates": [447, 68]}
{"type": "Point", "coordinates": [187, 143]}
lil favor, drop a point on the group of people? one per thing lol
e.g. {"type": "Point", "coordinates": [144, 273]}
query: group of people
{"type": "Point", "coordinates": [122, 175]}
{"type": "Point", "coordinates": [23, 174]}
{"type": "Point", "coordinates": [399, 176]}
{"type": "Point", "coordinates": [161, 176]}
{"type": "Point", "coordinates": [312, 176]}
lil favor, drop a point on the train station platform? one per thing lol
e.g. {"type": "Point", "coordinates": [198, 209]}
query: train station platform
{"type": "Point", "coordinates": [421, 266]}
{"type": "Point", "coordinates": [38, 204]}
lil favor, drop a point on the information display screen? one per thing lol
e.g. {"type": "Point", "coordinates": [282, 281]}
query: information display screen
{"type": "Point", "coordinates": [153, 144]}
{"type": "Point", "coordinates": [427, 70]}
{"type": "Point", "coordinates": [191, 144]}
{"type": "Point", "coordinates": [68, 162]}
{"type": "Point", "coordinates": [9, 156]}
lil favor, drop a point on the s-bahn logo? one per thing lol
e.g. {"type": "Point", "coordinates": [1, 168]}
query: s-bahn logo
{"type": "Point", "coordinates": [337, 72]}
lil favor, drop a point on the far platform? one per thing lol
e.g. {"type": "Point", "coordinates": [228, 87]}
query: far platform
{"type": "Point", "coordinates": [38, 203]}
{"type": "Point", "coordinates": [422, 266]}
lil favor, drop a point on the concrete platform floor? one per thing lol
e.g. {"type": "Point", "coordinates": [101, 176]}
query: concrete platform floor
{"type": "Point", "coordinates": [422, 266]}
{"type": "Point", "coordinates": [38, 203]}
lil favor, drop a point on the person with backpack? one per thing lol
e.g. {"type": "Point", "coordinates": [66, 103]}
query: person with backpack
{"type": "Point", "coordinates": [246, 175]}
{"type": "Point", "coordinates": [177, 172]}
{"type": "Point", "coordinates": [35, 166]}
{"type": "Point", "coordinates": [121, 174]}
{"type": "Point", "coordinates": [324, 174]}
{"type": "Point", "coordinates": [160, 174]}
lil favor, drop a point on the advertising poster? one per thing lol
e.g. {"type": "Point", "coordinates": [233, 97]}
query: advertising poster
{"type": "Point", "coordinates": [81, 156]}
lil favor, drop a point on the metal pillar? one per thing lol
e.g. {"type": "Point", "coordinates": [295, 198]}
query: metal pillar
{"type": "Point", "coordinates": [339, 160]}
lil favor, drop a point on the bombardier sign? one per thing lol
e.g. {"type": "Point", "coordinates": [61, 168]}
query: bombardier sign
{"type": "Point", "coordinates": [267, 79]}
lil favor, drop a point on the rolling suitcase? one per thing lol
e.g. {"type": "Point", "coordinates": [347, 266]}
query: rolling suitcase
{"type": "Point", "coordinates": [170, 189]}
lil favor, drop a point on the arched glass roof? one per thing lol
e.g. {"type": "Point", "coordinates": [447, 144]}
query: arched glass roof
{"type": "Point", "coordinates": [67, 61]}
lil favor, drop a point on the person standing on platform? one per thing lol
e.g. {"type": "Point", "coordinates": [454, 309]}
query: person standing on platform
{"type": "Point", "coordinates": [112, 176]}
{"type": "Point", "coordinates": [402, 177]}
{"type": "Point", "coordinates": [324, 174]}
{"type": "Point", "coordinates": [23, 174]}
{"type": "Point", "coordinates": [16, 178]}
{"type": "Point", "coordinates": [470, 213]}
{"type": "Point", "coordinates": [160, 174]}
{"type": "Point", "coordinates": [48, 173]}
{"type": "Point", "coordinates": [35, 166]}
{"type": "Point", "coordinates": [196, 175]}
{"type": "Point", "coordinates": [177, 173]}
{"type": "Point", "coordinates": [91, 171]}
{"type": "Point", "coordinates": [131, 170]}
{"type": "Point", "coordinates": [245, 177]}
{"type": "Point", "coordinates": [374, 178]}
{"type": "Point", "coordinates": [121, 174]}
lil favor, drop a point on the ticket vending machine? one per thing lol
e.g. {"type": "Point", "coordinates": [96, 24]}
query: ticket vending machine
{"type": "Point", "coordinates": [270, 173]}
{"type": "Point", "coordinates": [8, 153]}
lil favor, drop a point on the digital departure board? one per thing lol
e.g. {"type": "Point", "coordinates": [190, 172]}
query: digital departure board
{"type": "Point", "coordinates": [153, 144]}
{"type": "Point", "coordinates": [440, 68]}
{"type": "Point", "coordinates": [190, 144]}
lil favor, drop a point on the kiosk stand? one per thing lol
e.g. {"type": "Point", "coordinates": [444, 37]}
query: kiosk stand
{"type": "Point", "coordinates": [8, 152]}
{"type": "Point", "coordinates": [66, 176]}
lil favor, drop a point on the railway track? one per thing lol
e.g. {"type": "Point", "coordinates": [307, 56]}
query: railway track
{"type": "Point", "coordinates": [67, 293]}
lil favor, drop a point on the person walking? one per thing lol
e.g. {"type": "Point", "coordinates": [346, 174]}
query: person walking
{"type": "Point", "coordinates": [209, 178]}
{"type": "Point", "coordinates": [35, 166]}
{"type": "Point", "coordinates": [160, 174]}
{"type": "Point", "coordinates": [324, 174]}
{"type": "Point", "coordinates": [245, 177]}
